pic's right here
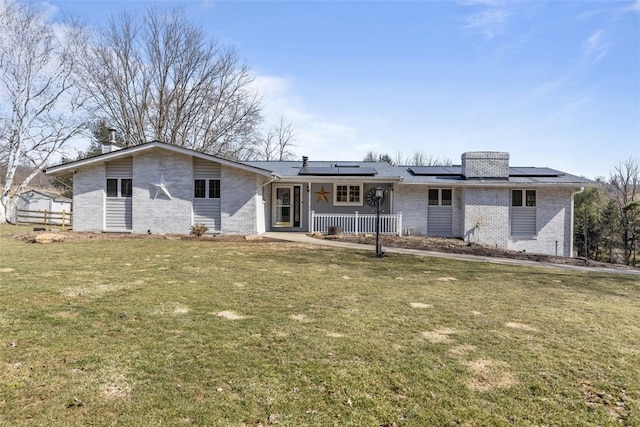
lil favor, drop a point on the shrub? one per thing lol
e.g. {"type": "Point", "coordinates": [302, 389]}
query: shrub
{"type": "Point", "coordinates": [199, 229]}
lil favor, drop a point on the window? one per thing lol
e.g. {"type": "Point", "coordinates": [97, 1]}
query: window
{"type": "Point", "coordinates": [126, 187]}
{"type": "Point", "coordinates": [200, 189]}
{"type": "Point", "coordinates": [520, 196]}
{"type": "Point", "coordinates": [531, 198]}
{"type": "Point", "coordinates": [434, 197]}
{"type": "Point", "coordinates": [214, 188]}
{"type": "Point", "coordinates": [119, 187]}
{"type": "Point", "coordinates": [446, 197]}
{"type": "Point", "coordinates": [112, 187]}
{"type": "Point", "coordinates": [348, 195]}
{"type": "Point", "coordinates": [516, 198]}
{"type": "Point", "coordinates": [440, 197]}
{"type": "Point", "coordinates": [203, 189]}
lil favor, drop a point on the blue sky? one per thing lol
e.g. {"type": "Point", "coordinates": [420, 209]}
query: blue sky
{"type": "Point", "coordinates": [554, 83]}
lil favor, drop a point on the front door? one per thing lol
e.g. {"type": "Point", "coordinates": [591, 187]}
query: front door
{"type": "Point", "coordinates": [283, 207]}
{"type": "Point", "coordinates": [286, 206]}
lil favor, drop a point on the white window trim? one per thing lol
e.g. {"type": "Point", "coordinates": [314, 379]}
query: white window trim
{"type": "Point", "coordinates": [207, 185]}
{"type": "Point", "coordinates": [524, 197]}
{"type": "Point", "coordinates": [439, 189]}
{"type": "Point", "coordinates": [119, 187]}
{"type": "Point", "coordinates": [349, 184]}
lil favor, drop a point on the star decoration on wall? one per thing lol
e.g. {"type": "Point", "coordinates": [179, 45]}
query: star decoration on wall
{"type": "Point", "coordinates": [321, 196]}
{"type": "Point", "coordinates": [162, 187]}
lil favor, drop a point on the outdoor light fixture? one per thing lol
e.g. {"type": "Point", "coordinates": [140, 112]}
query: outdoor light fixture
{"type": "Point", "coordinates": [379, 194]}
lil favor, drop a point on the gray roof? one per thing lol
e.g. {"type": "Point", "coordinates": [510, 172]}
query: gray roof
{"type": "Point", "coordinates": [290, 169]}
{"type": "Point", "coordinates": [433, 175]}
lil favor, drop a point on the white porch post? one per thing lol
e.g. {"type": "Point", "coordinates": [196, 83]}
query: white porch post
{"type": "Point", "coordinates": [399, 222]}
{"type": "Point", "coordinates": [311, 221]}
{"type": "Point", "coordinates": [356, 224]}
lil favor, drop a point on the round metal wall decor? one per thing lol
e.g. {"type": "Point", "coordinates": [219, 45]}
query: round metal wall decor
{"type": "Point", "coordinates": [370, 197]}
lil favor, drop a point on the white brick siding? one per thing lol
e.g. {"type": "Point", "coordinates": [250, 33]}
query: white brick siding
{"type": "Point", "coordinates": [485, 164]}
{"type": "Point", "coordinates": [411, 200]}
{"type": "Point", "coordinates": [553, 217]}
{"type": "Point", "coordinates": [88, 198]}
{"type": "Point", "coordinates": [486, 215]}
{"type": "Point", "coordinates": [161, 214]}
{"type": "Point", "coordinates": [240, 201]}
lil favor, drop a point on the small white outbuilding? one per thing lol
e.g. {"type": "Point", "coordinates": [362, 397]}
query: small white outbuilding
{"type": "Point", "coordinates": [34, 204]}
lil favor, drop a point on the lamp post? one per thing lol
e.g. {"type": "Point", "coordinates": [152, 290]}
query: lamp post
{"type": "Point", "coordinates": [379, 194]}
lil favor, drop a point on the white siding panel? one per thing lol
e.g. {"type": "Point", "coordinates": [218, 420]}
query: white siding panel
{"type": "Point", "coordinates": [440, 221]}
{"type": "Point", "coordinates": [118, 214]}
{"type": "Point", "coordinates": [523, 221]}
{"type": "Point", "coordinates": [203, 169]}
{"type": "Point", "coordinates": [120, 168]}
{"type": "Point", "coordinates": [207, 212]}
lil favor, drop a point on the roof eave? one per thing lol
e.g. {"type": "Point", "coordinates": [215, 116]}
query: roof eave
{"type": "Point", "coordinates": [67, 168]}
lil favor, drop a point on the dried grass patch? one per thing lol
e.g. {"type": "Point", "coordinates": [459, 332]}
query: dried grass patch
{"type": "Point", "coordinates": [439, 336]}
{"type": "Point", "coordinates": [489, 374]}
{"type": "Point", "coordinates": [230, 315]}
{"type": "Point", "coordinates": [95, 291]}
{"type": "Point", "coordinates": [114, 383]}
{"type": "Point", "coordinates": [7, 270]}
{"type": "Point", "coordinates": [461, 350]}
{"type": "Point", "coordinates": [302, 318]}
{"type": "Point", "coordinates": [65, 315]}
{"type": "Point", "coordinates": [420, 305]}
{"type": "Point", "coordinates": [522, 326]}
{"type": "Point", "coordinates": [181, 309]}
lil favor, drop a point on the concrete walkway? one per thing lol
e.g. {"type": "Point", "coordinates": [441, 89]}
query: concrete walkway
{"type": "Point", "coordinates": [303, 238]}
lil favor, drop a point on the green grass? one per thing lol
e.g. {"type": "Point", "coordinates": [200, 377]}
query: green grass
{"type": "Point", "coordinates": [106, 332]}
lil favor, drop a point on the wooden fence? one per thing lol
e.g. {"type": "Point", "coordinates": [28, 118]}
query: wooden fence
{"type": "Point", "coordinates": [44, 217]}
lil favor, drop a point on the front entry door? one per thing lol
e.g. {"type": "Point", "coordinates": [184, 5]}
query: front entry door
{"type": "Point", "coordinates": [283, 206]}
{"type": "Point", "coordinates": [286, 206]}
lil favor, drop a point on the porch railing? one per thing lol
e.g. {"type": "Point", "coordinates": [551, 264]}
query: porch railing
{"type": "Point", "coordinates": [357, 223]}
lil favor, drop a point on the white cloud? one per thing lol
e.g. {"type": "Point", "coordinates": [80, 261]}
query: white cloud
{"type": "Point", "coordinates": [490, 19]}
{"type": "Point", "coordinates": [489, 22]}
{"type": "Point", "coordinates": [595, 47]}
{"type": "Point", "coordinates": [634, 7]}
{"type": "Point", "coordinates": [318, 137]}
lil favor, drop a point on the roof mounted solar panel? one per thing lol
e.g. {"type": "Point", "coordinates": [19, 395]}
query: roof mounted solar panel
{"type": "Point", "coordinates": [532, 172]}
{"type": "Point", "coordinates": [435, 170]}
{"type": "Point", "coordinates": [338, 171]}
{"type": "Point", "coordinates": [347, 165]}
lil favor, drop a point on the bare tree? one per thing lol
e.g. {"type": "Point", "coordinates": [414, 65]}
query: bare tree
{"type": "Point", "coordinates": [277, 143]}
{"type": "Point", "coordinates": [624, 184]}
{"type": "Point", "coordinates": [39, 99]}
{"type": "Point", "coordinates": [159, 77]}
{"type": "Point", "coordinates": [419, 158]}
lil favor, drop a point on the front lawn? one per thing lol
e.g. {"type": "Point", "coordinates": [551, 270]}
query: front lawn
{"type": "Point", "coordinates": [150, 332]}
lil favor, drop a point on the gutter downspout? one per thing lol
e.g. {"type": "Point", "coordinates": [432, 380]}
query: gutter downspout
{"type": "Point", "coordinates": [273, 178]}
{"type": "Point", "coordinates": [573, 220]}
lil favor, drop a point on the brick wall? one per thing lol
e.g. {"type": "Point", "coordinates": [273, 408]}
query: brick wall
{"type": "Point", "coordinates": [486, 215]}
{"type": "Point", "coordinates": [553, 218]}
{"type": "Point", "coordinates": [411, 200]}
{"type": "Point", "coordinates": [240, 201]}
{"type": "Point", "coordinates": [485, 164]}
{"type": "Point", "coordinates": [88, 199]}
{"type": "Point", "coordinates": [161, 214]}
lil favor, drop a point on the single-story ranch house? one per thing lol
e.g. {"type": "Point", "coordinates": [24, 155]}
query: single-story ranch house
{"type": "Point", "coordinates": [161, 188]}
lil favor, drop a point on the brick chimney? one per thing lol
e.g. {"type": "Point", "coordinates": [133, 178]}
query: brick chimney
{"type": "Point", "coordinates": [108, 146]}
{"type": "Point", "coordinates": [485, 165]}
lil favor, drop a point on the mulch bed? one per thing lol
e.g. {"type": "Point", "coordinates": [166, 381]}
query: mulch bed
{"type": "Point", "coordinates": [459, 246]}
